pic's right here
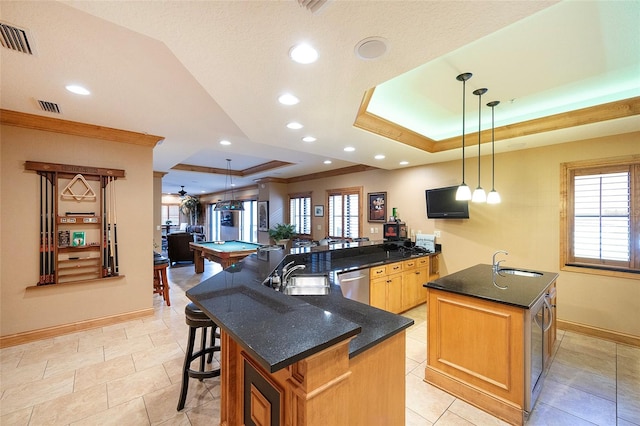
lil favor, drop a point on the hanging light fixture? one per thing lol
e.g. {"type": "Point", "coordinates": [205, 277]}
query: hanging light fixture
{"type": "Point", "coordinates": [463, 193]}
{"type": "Point", "coordinates": [479, 196]}
{"type": "Point", "coordinates": [232, 204]}
{"type": "Point", "coordinates": [494, 196]}
{"type": "Point", "coordinates": [182, 192]}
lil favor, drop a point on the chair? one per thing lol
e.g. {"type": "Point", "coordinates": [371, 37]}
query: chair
{"type": "Point", "coordinates": [160, 281]}
{"type": "Point", "coordinates": [178, 248]}
{"type": "Point", "coordinates": [195, 319]}
{"type": "Point", "coordinates": [197, 231]}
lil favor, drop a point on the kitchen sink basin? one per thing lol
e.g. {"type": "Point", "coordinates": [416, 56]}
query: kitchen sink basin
{"type": "Point", "coordinates": [307, 285]}
{"type": "Point", "coordinates": [519, 272]}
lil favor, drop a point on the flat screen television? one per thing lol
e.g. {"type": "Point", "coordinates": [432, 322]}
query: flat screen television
{"type": "Point", "coordinates": [442, 204]}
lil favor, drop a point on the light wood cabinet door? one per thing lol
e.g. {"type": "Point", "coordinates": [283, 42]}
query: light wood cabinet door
{"type": "Point", "coordinates": [378, 293]}
{"type": "Point", "coordinates": [394, 293]}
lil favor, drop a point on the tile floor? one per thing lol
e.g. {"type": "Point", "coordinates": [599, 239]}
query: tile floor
{"type": "Point", "coordinates": [129, 374]}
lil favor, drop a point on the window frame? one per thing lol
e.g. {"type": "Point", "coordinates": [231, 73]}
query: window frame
{"type": "Point", "coordinates": [301, 195]}
{"type": "Point", "coordinates": [592, 167]}
{"type": "Point", "coordinates": [329, 213]}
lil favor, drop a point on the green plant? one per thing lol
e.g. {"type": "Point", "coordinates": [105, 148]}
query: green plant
{"type": "Point", "coordinates": [190, 206]}
{"type": "Point", "coordinates": [282, 231]}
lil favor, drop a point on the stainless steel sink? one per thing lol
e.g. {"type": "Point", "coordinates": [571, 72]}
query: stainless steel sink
{"type": "Point", "coordinates": [519, 272]}
{"type": "Point", "coordinates": [307, 285]}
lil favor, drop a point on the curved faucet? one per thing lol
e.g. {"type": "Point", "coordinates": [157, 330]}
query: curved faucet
{"type": "Point", "coordinates": [285, 275]}
{"type": "Point", "coordinates": [496, 265]}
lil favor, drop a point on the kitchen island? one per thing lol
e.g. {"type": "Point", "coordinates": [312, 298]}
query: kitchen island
{"type": "Point", "coordinates": [490, 336]}
{"type": "Point", "coordinates": [305, 360]}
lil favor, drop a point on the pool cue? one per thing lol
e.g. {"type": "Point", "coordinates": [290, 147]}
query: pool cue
{"type": "Point", "coordinates": [52, 220]}
{"type": "Point", "coordinates": [109, 252]}
{"type": "Point", "coordinates": [115, 227]}
{"type": "Point", "coordinates": [42, 218]}
{"type": "Point", "coordinates": [105, 258]}
{"type": "Point", "coordinates": [46, 232]}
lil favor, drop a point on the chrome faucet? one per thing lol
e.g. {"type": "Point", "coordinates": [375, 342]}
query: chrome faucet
{"type": "Point", "coordinates": [286, 272]}
{"type": "Point", "coordinates": [496, 265]}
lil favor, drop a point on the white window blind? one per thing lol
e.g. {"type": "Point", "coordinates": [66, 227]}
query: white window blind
{"type": "Point", "coordinates": [300, 214]}
{"type": "Point", "coordinates": [344, 215]}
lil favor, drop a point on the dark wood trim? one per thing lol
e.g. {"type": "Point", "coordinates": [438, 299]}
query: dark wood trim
{"type": "Point", "coordinates": [331, 173]}
{"type": "Point", "coordinates": [246, 172]}
{"type": "Point", "coordinates": [72, 169]}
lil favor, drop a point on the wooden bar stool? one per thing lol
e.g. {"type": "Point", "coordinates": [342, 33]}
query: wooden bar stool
{"type": "Point", "coordinates": [160, 281]}
{"type": "Point", "coordinates": [195, 319]}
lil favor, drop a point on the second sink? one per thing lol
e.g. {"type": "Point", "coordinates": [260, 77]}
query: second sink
{"type": "Point", "coordinates": [307, 285]}
{"type": "Point", "coordinates": [519, 272]}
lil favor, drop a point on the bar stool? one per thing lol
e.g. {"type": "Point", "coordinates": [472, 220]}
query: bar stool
{"type": "Point", "coordinates": [195, 319]}
{"type": "Point", "coordinates": [160, 281]}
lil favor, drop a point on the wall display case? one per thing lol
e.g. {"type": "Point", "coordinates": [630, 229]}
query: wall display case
{"type": "Point", "coordinates": [78, 222]}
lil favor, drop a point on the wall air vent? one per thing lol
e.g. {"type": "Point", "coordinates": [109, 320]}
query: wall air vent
{"type": "Point", "coordinates": [312, 5]}
{"type": "Point", "coordinates": [14, 38]}
{"type": "Point", "coordinates": [49, 106]}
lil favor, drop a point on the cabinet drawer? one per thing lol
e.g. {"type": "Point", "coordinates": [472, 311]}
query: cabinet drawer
{"type": "Point", "coordinates": [394, 268]}
{"type": "Point", "coordinates": [409, 264]}
{"type": "Point", "coordinates": [423, 261]}
{"type": "Point", "coordinates": [378, 271]}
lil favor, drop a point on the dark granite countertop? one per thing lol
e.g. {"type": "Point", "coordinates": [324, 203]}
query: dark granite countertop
{"type": "Point", "coordinates": [277, 329]}
{"type": "Point", "coordinates": [478, 281]}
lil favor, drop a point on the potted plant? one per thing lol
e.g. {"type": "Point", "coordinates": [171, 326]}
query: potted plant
{"type": "Point", "coordinates": [190, 206]}
{"type": "Point", "coordinates": [282, 233]}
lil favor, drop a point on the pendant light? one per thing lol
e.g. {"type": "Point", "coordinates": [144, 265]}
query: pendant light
{"type": "Point", "coordinates": [232, 204]}
{"type": "Point", "coordinates": [463, 193]}
{"type": "Point", "coordinates": [494, 196]}
{"type": "Point", "coordinates": [479, 196]}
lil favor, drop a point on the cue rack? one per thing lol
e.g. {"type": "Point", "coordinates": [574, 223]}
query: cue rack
{"type": "Point", "coordinates": [78, 222]}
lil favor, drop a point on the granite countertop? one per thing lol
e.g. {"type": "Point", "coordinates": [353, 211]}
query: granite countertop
{"type": "Point", "coordinates": [278, 329]}
{"type": "Point", "coordinates": [478, 281]}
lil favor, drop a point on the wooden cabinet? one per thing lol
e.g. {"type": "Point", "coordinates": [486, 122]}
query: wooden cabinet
{"type": "Point", "coordinates": [80, 259]}
{"type": "Point", "coordinates": [397, 287]}
{"type": "Point", "coordinates": [385, 289]}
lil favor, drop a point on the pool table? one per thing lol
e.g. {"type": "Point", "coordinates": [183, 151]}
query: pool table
{"type": "Point", "coordinates": [226, 253]}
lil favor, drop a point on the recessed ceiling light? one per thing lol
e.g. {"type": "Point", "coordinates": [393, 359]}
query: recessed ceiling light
{"type": "Point", "coordinates": [371, 48]}
{"type": "Point", "coordinates": [288, 99]}
{"type": "Point", "coordinates": [309, 139]}
{"type": "Point", "coordinates": [295, 125]}
{"type": "Point", "coordinates": [404, 163]}
{"type": "Point", "coordinates": [225, 142]}
{"type": "Point", "coordinates": [349, 149]}
{"type": "Point", "coordinates": [327, 161]}
{"type": "Point", "coordinates": [78, 90]}
{"type": "Point", "coordinates": [379, 157]}
{"type": "Point", "coordinates": [303, 54]}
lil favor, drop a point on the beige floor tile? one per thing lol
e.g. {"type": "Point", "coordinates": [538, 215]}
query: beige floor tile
{"type": "Point", "coordinates": [418, 332]}
{"type": "Point", "coordinates": [474, 415]}
{"type": "Point", "coordinates": [157, 355]}
{"type": "Point", "coordinates": [579, 378]}
{"type": "Point", "coordinates": [546, 415]}
{"type": "Point", "coordinates": [132, 412]}
{"type": "Point", "coordinates": [578, 403]}
{"type": "Point", "coordinates": [592, 345]}
{"type": "Point", "coordinates": [604, 366]}
{"type": "Point", "coordinates": [103, 372]}
{"type": "Point", "coordinates": [416, 350]}
{"type": "Point", "coordinates": [179, 419]}
{"type": "Point", "coordinates": [37, 392]}
{"type": "Point", "coordinates": [127, 347]}
{"type": "Point", "coordinates": [11, 377]}
{"type": "Point", "coordinates": [17, 418]}
{"type": "Point", "coordinates": [410, 365]}
{"type": "Point", "coordinates": [144, 328]}
{"type": "Point", "coordinates": [169, 335]}
{"type": "Point", "coordinates": [71, 362]}
{"type": "Point", "coordinates": [411, 418]}
{"type": "Point", "coordinates": [10, 358]}
{"type": "Point", "coordinates": [205, 415]}
{"type": "Point", "coordinates": [72, 407]}
{"type": "Point", "coordinates": [137, 385]}
{"type": "Point", "coordinates": [101, 339]}
{"type": "Point", "coordinates": [449, 418]}
{"type": "Point", "coordinates": [162, 404]}
{"type": "Point", "coordinates": [50, 351]}
{"type": "Point", "coordinates": [426, 400]}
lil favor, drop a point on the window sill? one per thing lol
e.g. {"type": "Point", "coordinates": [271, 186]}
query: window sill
{"type": "Point", "coordinates": [615, 273]}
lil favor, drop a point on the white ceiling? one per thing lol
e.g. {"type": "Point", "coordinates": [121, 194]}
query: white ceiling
{"type": "Point", "coordinates": [198, 72]}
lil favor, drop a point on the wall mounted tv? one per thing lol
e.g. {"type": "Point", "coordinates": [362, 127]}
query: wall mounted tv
{"type": "Point", "coordinates": [442, 204]}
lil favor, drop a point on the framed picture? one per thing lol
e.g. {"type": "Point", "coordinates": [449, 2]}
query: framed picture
{"type": "Point", "coordinates": [263, 215]}
{"type": "Point", "coordinates": [377, 206]}
{"type": "Point", "coordinates": [318, 211]}
{"type": "Point", "coordinates": [226, 218]}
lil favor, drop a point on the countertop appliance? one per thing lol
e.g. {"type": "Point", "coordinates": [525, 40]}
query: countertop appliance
{"type": "Point", "coordinates": [539, 323]}
{"type": "Point", "coordinates": [355, 285]}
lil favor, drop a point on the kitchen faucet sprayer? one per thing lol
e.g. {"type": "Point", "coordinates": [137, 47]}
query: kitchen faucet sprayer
{"type": "Point", "coordinates": [496, 265]}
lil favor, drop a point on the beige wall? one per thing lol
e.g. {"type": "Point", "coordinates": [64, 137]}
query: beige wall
{"type": "Point", "coordinates": [25, 309]}
{"type": "Point", "coordinates": [526, 223]}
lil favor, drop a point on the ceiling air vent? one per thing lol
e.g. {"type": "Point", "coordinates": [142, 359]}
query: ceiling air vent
{"type": "Point", "coordinates": [14, 38]}
{"type": "Point", "coordinates": [49, 106]}
{"type": "Point", "coordinates": [312, 5]}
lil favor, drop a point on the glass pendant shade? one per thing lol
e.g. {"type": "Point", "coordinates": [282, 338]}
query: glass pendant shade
{"type": "Point", "coordinates": [232, 204]}
{"type": "Point", "coordinates": [463, 193]}
{"type": "Point", "coordinates": [479, 196]}
{"type": "Point", "coordinates": [494, 196]}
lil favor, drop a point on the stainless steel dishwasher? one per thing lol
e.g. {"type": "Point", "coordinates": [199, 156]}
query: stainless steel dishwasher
{"type": "Point", "coordinates": [355, 285]}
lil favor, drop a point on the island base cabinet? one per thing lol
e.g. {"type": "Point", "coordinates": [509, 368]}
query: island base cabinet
{"type": "Point", "coordinates": [326, 388]}
{"type": "Point", "coordinates": [475, 351]}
